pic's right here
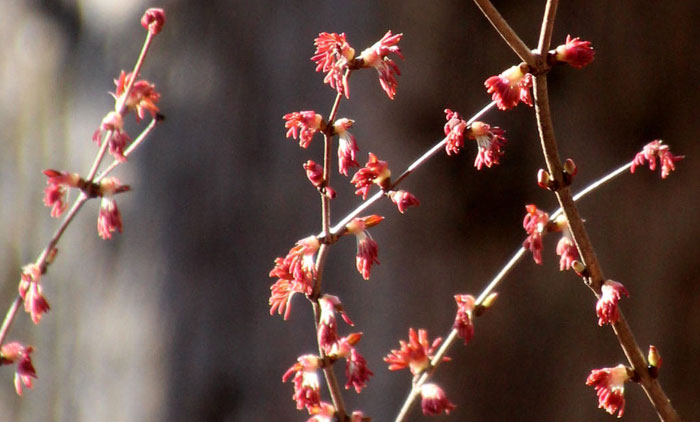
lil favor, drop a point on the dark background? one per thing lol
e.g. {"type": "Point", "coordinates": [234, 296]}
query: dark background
{"type": "Point", "coordinates": [169, 321]}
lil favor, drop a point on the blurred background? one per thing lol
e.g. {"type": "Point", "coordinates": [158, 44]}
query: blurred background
{"type": "Point", "coordinates": [169, 320]}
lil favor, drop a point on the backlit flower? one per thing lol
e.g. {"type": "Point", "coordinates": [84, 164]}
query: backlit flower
{"type": "Point", "coordinates": [650, 152]}
{"type": "Point", "coordinates": [56, 193]}
{"type": "Point", "coordinates": [609, 384]}
{"type": "Point", "coordinates": [464, 323]}
{"type": "Point", "coordinates": [606, 308]}
{"type": "Point", "coordinates": [454, 131]}
{"type": "Point", "coordinates": [35, 304]}
{"type": "Point", "coordinates": [510, 87]}
{"type": "Point", "coordinates": [153, 20]}
{"type": "Point", "coordinates": [403, 200]}
{"type": "Point", "coordinates": [295, 273]}
{"type": "Point", "coordinates": [109, 218]}
{"type": "Point", "coordinates": [347, 146]}
{"type": "Point", "coordinates": [374, 172]}
{"type": "Point", "coordinates": [332, 57]}
{"type": "Point", "coordinates": [356, 371]}
{"type": "Point", "coordinates": [302, 125]}
{"type": "Point", "coordinates": [490, 140]}
{"type": "Point", "coordinates": [376, 57]}
{"type": "Point", "coordinates": [575, 52]}
{"type": "Point", "coordinates": [142, 97]}
{"type": "Point", "coordinates": [18, 353]}
{"type": "Point", "coordinates": [327, 327]}
{"type": "Point", "coordinates": [314, 172]}
{"type": "Point", "coordinates": [434, 401]}
{"type": "Point", "coordinates": [367, 248]}
{"type": "Point", "coordinates": [415, 354]}
{"type": "Point", "coordinates": [306, 386]}
{"type": "Point", "coordinates": [567, 251]}
{"type": "Point", "coordinates": [118, 139]}
{"type": "Point", "coordinates": [535, 223]}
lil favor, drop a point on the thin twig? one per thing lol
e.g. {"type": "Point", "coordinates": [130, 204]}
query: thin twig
{"type": "Point", "coordinates": [506, 31]}
{"type": "Point", "coordinates": [550, 12]}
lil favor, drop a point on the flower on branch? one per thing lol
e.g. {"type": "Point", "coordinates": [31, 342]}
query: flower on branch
{"type": "Point", "coordinates": [454, 131]}
{"type": "Point", "coordinates": [510, 87]}
{"type": "Point", "coordinates": [367, 248]}
{"type": "Point", "coordinates": [650, 152]}
{"type": "Point", "coordinates": [142, 97]}
{"type": "Point", "coordinates": [324, 412]}
{"type": "Point", "coordinates": [374, 172]}
{"type": "Point", "coordinates": [415, 354]}
{"type": "Point", "coordinates": [434, 401]}
{"type": "Point", "coordinates": [376, 57]}
{"type": "Point", "coordinates": [306, 386]}
{"type": "Point", "coordinates": [55, 193]}
{"type": "Point", "coordinates": [567, 251]}
{"type": "Point", "coordinates": [464, 323]}
{"type": "Point", "coordinates": [332, 57]}
{"type": "Point", "coordinates": [606, 308]}
{"type": "Point", "coordinates": [16, 352]}
{"type": "Point", "coordinates": [403, 200]}
{"type": "Point", "coordinates": [327, 326]}
{"type": "Point", "coordinates": [609, 384]}
{"type": "Point", "coordinates": [109, 218]}
{"type": "Point", "coordinates": [314, 172]}
{"type": "Point", "coordinates": [153, 20]}
{"type": "Point", "coordinates": [35, 304]}
{"type": "Point", "coordinates": [302, 125]}
{"type": "Point", "coordinates": [575, 52]}
{"type": "Point", "coordinates": [490, 141]}
{"type": "Point", "coordinates": [295, 273]}
{"type": "Point", "coordinates": [113, 125]}
{"type": "Point", "coordinates": [347, 146]}
{"type": "Point", "coordinates": [356, 371]}
{"type": "Point", "coordinates": [535, 224]}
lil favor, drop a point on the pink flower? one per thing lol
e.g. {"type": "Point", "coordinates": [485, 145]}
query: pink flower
{"type": "Point", "coordinates": [415, 354]}
{"type": "Point", "coordinates": [295, 273]}
{"type": "Point", "coordinates": [332, 56]}
{"type": "Point", "coordinates": [35, 304]}
{"type": "Point", "coordinates": [575, 52]}
{"type": "Point", "coordinates": [567, 251]}
{"type": "Point", "coordinates": [55, 193]}
{"type": "Point", "coordinates": [434, 401]}
{"type": "Point", "coordinates": [21, 354]}
{"type": "Point", "coordinates": [347, 146]}
{"type": "Point", "coordinates": [454, 131]}
{"type": "Point", "coordinates": [109, 218]}
{"type": "Point", "coordinates": [367, 248]}
{"type": "Point", "coordinates": [306, 386]}
{"type": "Point", "coordinates": [314, 172]}
{"type": "Point", "coordinates": [302, 125]}
{"type": "Point", "coordinates": [356, 371]}
{"type": "Point", "coordinates": [403, 200]}
{"type": "Point", "coordinates": [464, 323]}
{"type": "Point", "coordinates": [510, 87]}
{"type": "Point", "coordinates": [374, 172]}
{"type": "Point", "coordinates": [324, 412]}
{"type": "Point", "coordinates": [535, 223]}
{"type": "Point", "coordinates": [142, 97]}
{"type": "Point", "coordinates": [153, 20]}
{"type": "Point", "coordinates": [655, 149]}
{"type": "Point", "coordinates": [118, 139]}
{"type": "Point", "coordinates": [376, 57]}
{"type": "Point", "coordinates": [327, 327]}
{"type": "Point", "coordinates": [609, 384]}
{"type": "Point", "coordinates": [490, 141]}
{"type": "Point", "coordinates": [606, 307]}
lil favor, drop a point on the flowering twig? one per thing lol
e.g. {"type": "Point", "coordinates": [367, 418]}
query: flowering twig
{"type": "Point", "coordinates": [506, 32]}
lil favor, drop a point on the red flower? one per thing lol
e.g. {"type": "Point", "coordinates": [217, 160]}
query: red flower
{"type": "Point", "coordinates": [55, 193]}
{"type": "Point", "coordinates": [374, 172]}
{"type": "Point", "coordinates": [17, 352]}
{"type": "Point", "coordinates": [142, 97]}
{"type": "Point", "coordinates": [403, 200]}
{"type": "Point", "coordinates": [454, 131]}
{"type": "Point", "coordinates": [510, 87]}
{"type": "Point", "coordinates": [535, 223]}
{"type": "Point", "coordinates": [295, 273]}
{"type": "Point", "coordinates": [324, 412]}
{"type": "Point", "coordinates": [376, 57]}
{"type": "Point", "coordinates": [367, 248]}
{"type": "Point", "coordinates": [327, 326]}
{"type": "Point", "coordinates": [655, 149]}
{"type": "Point", "coordinates": [35, 304]}
{"type": "Point", "coordinates": [356, 371]}
{"type": "Point", "coordinates": [314, 172]}
{"type": "Point", "coordinates": [415, 354]}
{"type": "Point", "coordinates": [609, 384]}
{"type": "Point", "coordinates": [302, 125]}
{"type": "Point", "coordinates": [567, 251]}
{"type": "Point", "coordinates": [464, 323]}
{"type": "Point", "coordinates": [490, 141]}
{"type": "Point", "coordinates": [332, 57]}
{"type": "Point", "coordinates": [306, 386]}
{"type": "Point", "coordinates": [434, 401]}
{"type": "Point", "coordinates": [575, 52]}
{"type": "Point", "coordinates": [118, 139]}
{"type": "Point", "coordinates": [606, 308]}
{"type": "Point", "coordinates": [347, 146]}
{"type": "Point", "coordinates": [109, 218]}
{"type": "Point", "coordinates": [153, 20]}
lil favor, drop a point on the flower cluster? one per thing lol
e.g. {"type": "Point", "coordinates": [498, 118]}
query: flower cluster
{"type": "Point", "coordinates": [295, 273]}
{"type": "Point", "coordinates": [22, 355]}
{"type": "Point", "coordinates": [35, 304]}
{"type": "Point", "coordinates": [356, 370]}
{"type": "Point", "coordinates": [510, 87]}
{"type": "Point", "coordinates": [575, 52]}
{"type": "Point", "coordinates": [415, 354]}
{"type": "Point", "coordinates": [653, 150]}
{"type": "Point", "coordinates": [376, 172]}
{"type": "Point", "coordinates": [489, 139]}
{"type": "Point", "coordinates": [303, 125]}
{"type": "Point", "coordinates": [376, 57]}
{"type": "Point", "coordinates": [609, 384]}
{"type": "Point", "coordinates": [306, 386]}
{"type": "Point", "coordinates": [56, 191]}
{"type": "Point", "coordinates": [403, 199]}
{"type": "Point", "coordinates": [536, 223]}
{"type": "Point", "coordinates": [606, 308]}
{"type": "Point", "coordinates": [434, 400]}
{"type": "Point", "coordinates": [332, 56]}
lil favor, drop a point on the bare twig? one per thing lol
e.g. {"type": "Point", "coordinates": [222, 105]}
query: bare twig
{"type": "Point", "coordinates": [550, 12]}
{"type": "Point", "coordinates": [506, 32]}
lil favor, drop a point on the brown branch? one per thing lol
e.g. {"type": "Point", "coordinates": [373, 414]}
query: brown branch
{"type": "Point", "coordinates": [550, 12]}
{"type": "Point", "coordinates": [506, 32]}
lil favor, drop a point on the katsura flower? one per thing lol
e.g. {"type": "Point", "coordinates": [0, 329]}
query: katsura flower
{"type": "Point", "coordinates": [510, 87]}
{"type": "Point", "coordinates": [306, 386]}
{"type": "Point", "coordinates": [464, 323]}
{"type": "Point", "coordinates": [356, 371]}
{"type": "Point", "coordinates": [434, 401]}
{"type": "Point", "coordinates": [109, 218]}
{"type": "Point", "coordinates": [56, 193]}
{"type": "Point", "coordinates": [609, 384]}
{"type": "Point", "coordinates": [490, 141]}
{"type": "Point", "coordinates": [376, 57]}
{"type": "Point", "coordinates": [16, 352]}
{"type": "Point", "coordinates": [332, 56]}
{"type": "Point", "coordinates": [606, 308]}
{"type": "Point", "coordinates": [535, 224]}
{"type": "Point", "coordinates": [302, 125]}
{"type": "Point", "coordinates": [142, 97]}
{"type": "Point", "coordinates": [567, 251]}
{"type": "Point", "coordinates": [403, 200]}
{"type": "Point", "coordinates": [35, 304]}
{"type": "Point", "coordinates": [367, 248]}
{"type": "Point", "coordinates": [295, 273]}
{"type": "Point", "coordinates": [454, 131]}
{"type": "Point", "coordinates": [314, 172]}
{"type": "Point", "coordinates": [347, 146]}
{"type": "Point", "coordinates": [415, 354]}
{"type": "Point", "coordinates": [374, 172]}
{"type": "Point", "coordinates": [113, 125]}
{"type": "Point", "coordinates": [655, 149]}
{"type": "Point", "coordinates": [575, 52]}
{"type": "Point", "coordinates": [153, 20]}
{"type": "Point", "coordinates": [327, 327]}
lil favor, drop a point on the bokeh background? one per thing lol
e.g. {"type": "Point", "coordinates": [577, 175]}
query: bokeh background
{"type": "Point", "coordinates": [169, 321]}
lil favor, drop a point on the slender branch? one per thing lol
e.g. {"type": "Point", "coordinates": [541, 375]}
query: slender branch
{"type": "Point", "coordinates": [651, 386]}
{"type": "Point", "coordinates": [506, 32]}
{"type": "Point", "coordinates": [329, 373]}
{"type": "Point", "coordinates": [550, 12]}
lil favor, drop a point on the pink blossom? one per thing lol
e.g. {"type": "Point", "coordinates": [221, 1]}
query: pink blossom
{"type": "Point", "coordinates": [302, 125]}
{"type": "Point", "coordinates": [374, 172]}
{"type": "Point", "coordinates": [109, 218]}
{"type": "Point", "coordinates": [306, 386]}
{"type": "Point", "coordinates": [332, 56]}
{"type": "Point", "coordinates": [454, 131]}
{"type": "Point", "coordinates": [327, 327]}
{"type": "Point", "coordinates": [609, 384]}
{"type": "Point", "coordinates": [415, 354]}
{"type": "Point", "coordinates": [356, 371]}
{"type": "Point", "coordinates": [376, 57]}
{"type": "Point", "coordinates": [575, 52]}
{"type": "Point", "coordinates": [347, 146]}
{"type": "Point", "coordinates": [464, 323]}
{"type": "Point", "coordinates": [153, 20]}
{"type": "Point", "coordinates": [31, 291]}
{"type": "Point", "coordinates": [490, 140]}
{"type": "Point", "coordinates": [18, 353]}
{"type": "Point", "coordinates": [567, 251]}
{"type": "Point", "coordinates": [434, 401]}
{"type": "Point", "coordinates": [655, 149]}
{"type": "Point", "coordinates": [295, 273]}
{"type": "Point", "coordinates": [403, 200]}
{"type": "Point", "coordinates": [606, 308]}
{"type": "Point", "coordinates": [367, 252]}
{"type": "Point", "coordinates": [510, 87]}
{"type": "Point", "coordinates": [314, 172]}
{"type": "Point", "coordinates": [55, 193]}
{"type": "Point", "coordinates": [142, 97]}
{"type": "Point", "coordinates": [535, 223]}
{"type": "Point", "coordinates": [118, 139]}
{"type": "Point", "coordinates": [324, 412]}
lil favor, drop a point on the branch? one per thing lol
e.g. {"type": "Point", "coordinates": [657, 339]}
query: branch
{"type": "Point", "coordinates": [506, 32]}
{"type": "Point", "coordinates": [550, 11]}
